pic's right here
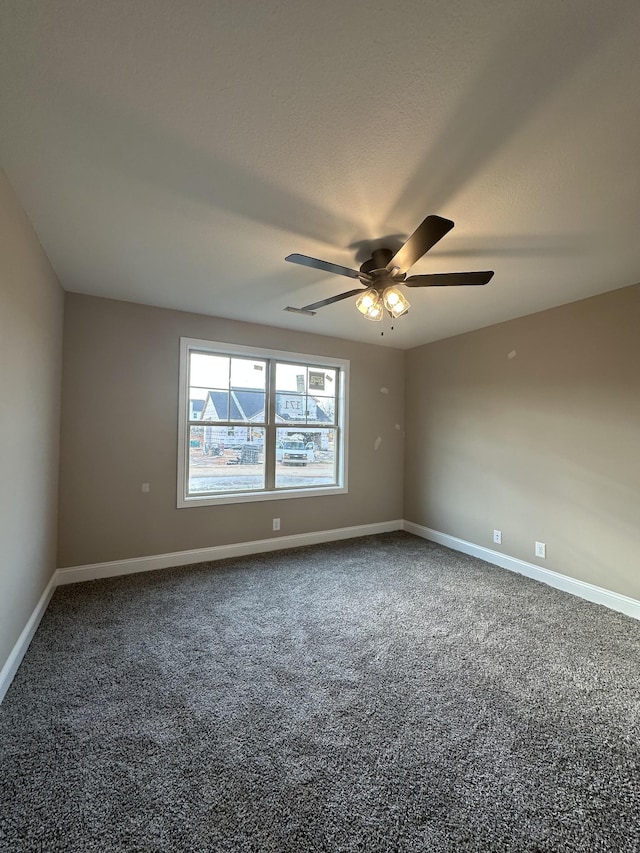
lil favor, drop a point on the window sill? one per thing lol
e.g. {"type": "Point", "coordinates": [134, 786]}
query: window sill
{"type": "Point", "coordinates": [258, 497]}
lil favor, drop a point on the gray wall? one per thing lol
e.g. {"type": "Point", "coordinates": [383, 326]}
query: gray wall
{"type": "Point", "coordinates": [544, 445]}
{"type": "Point", "coordinates": [119, 429]}
{"type": "Point", "coordinates": [31, 314]}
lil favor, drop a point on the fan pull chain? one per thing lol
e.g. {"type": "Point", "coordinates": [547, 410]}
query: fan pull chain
{"type": "Point", "coordinates": [384, 320]}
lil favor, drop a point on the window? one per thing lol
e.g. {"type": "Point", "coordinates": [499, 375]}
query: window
{"type": "Point", "coordinates": [259, 424]}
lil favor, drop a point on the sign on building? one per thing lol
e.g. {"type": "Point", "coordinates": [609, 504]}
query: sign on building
{"type": "Point", "coordinates": [316, 381]}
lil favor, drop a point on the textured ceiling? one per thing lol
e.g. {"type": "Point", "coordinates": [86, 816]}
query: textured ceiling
{"type": "Point", "coordinates": [174, 153]}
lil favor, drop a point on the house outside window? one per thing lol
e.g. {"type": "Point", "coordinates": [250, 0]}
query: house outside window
{"type": "Point", "coordinates": [259, 424]}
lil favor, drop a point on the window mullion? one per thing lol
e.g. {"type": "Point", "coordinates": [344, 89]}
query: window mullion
{"type": "Point", "coordinates": [270, 431]}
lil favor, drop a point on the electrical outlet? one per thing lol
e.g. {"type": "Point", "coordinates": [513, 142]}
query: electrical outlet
{"type": "Point", "coordinates": [276, 524]}
{"type": "Point", "coordinates": [146, 487]}
{"type": "Point", "coordinates": [497, 537]}
{"type": "Point", "coordinates": [541, 550]}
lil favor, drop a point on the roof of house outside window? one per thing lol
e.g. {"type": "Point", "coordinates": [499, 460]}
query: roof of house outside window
{"type": "Point", "coordinates": [244, 404]}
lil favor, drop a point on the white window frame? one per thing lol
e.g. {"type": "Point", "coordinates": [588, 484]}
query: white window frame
{"type": "Point", "coordinates": [187, 345]}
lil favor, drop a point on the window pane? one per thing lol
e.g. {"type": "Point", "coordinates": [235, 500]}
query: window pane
{"type": "Point", "coordinates": [305, 457]}
{"type": "Point", "coordinates": [291, 377]}
{"type": "Point", "coordinates": [321, 380]}
{"type": "Point", "coordinates": [209, 371]}
{"type": "Point", "coordinates": [196, 404]}
{"type": "Point", "coordinates": [225, 459]}
{"type": "Point", "coordinates": [214, 406]}
{"type": "Point", "coordinates": [247, 406]}
{"type": "Point", "coordinates": [248, 373]}
{"type": "Point", "coordinates": [291, 407]}
{"type": "Point", "coordinates": [321, 410]}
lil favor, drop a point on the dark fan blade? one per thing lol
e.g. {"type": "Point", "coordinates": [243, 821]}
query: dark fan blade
{"type": "Point", "coordinates": [449, 279]}
{"type": "Point", "coordinates": [332, 299]}
{"type": "Point", "coordinates": [306, 261]}
{"type": "Point", "coordinates": [423, 238]}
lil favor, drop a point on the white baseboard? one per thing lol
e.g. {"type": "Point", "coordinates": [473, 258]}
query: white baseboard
{"type": "Point", "coordinates": [596, 594]}
{"type": "Point", "coordinates": [19, 650]}
{"type": "Point", "coordinates": [73, 574]}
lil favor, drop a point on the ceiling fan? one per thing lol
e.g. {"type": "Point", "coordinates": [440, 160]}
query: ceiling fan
{"type": "Point", "coordinates": [384, 271]}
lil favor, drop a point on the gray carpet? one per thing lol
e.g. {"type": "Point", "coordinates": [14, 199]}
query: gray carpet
{"type": "Point", "coordinates": [380, 694]}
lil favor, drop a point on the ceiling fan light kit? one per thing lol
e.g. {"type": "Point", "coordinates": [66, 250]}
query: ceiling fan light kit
{"type": "Point", "coordinates": [383, 272]}
{"type": "Point", "coordinates": [372, 302]}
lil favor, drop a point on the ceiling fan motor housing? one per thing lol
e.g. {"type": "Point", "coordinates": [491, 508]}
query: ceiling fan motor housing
{"type": "Point", "coordinates": [376, 270]}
